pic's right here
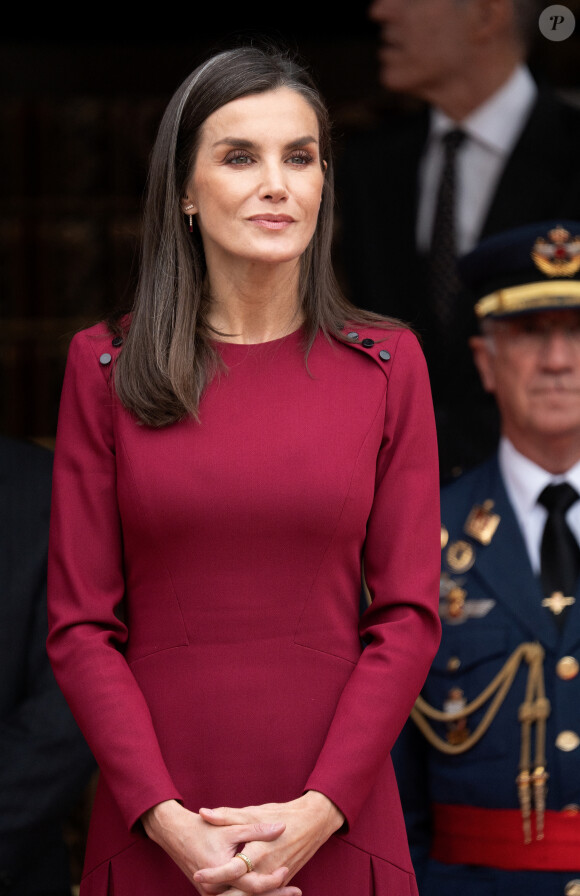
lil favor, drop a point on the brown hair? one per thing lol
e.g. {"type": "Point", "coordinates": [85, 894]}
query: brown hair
{"type": "Point", "coordinates": [168, 357]}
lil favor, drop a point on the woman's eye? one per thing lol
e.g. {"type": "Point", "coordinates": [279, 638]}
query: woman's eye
{"type": "Point", "coordinates": [238, 158]}
{"type": "Point", "coordinates": [300, 158]}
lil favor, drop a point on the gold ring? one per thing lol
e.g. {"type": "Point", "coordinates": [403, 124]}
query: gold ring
{"type": "Point", "coordinates": [246, 859]}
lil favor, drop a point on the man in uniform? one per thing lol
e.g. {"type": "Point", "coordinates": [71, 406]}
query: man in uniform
{"type": "Point", "coordinates": [489, 763]}
{"type": "Point", "coordinates": [478, 147]}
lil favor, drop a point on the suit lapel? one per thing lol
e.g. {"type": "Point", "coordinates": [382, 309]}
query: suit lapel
{"type": "Point", "coordinates": [505, 568]}
{"type": "Point", "coordinates": [522, 195]}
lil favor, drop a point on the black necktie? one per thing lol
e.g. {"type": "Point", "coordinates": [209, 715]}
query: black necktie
{"type": "Point", "coordinates": [560, 554]}
{"type": "Point", "coordinates": [443, 252]}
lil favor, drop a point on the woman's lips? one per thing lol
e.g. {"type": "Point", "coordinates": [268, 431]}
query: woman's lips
{"type": "Point", "coordinates": [272, 222]}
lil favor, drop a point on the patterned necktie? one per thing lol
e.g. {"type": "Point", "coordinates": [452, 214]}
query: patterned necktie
{"type": "Point", "coordinates": [559, 553]}
{"type": "Point", "coordinates": [443, 253]}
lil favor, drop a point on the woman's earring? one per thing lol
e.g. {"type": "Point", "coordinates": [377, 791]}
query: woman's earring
{"type": "Point", "coordinates": [190, 217]}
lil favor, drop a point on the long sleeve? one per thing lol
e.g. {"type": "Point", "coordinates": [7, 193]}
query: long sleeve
{"type": "Point", "coordinates": [86, 589]}
{"type": "Point", "coordinates": [401, 564]}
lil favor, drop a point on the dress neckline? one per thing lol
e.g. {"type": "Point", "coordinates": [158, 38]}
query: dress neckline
{"type": "Point", "coordinates": [293, 336]}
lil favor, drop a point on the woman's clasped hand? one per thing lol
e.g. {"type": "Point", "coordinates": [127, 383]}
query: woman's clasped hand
{"type": "Point", "coordinates": [277, 839]}
{"type": "Point", "coordinates": [307, 823]}
{"type": "Point", "coordinates": [193, 844]}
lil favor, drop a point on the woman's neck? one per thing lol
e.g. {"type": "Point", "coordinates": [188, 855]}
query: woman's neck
{"type": "Point", "coordinates": [258, 307]}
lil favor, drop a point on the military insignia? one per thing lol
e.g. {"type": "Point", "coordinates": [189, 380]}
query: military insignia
{"type": "Point", "coordinates": [456, 602]}
{"type": "Point", "coordinates": [559, 255]}
{"type": "Point", "coordinates": [481, 524]}
{"type": "Point", "coordinates": [460, 556]}
{"type": "Point", "coordinates": [444, 537]}
{"type": "Point", "coordinates": [454, 607]}
{"type": "Point", "coordinates": [557, 602]}
{"type": "Point", "coordinates": [457, 730]}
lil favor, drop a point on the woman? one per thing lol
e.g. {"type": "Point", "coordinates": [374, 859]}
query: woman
{"type": "Point", "coordinates": [224, 462]}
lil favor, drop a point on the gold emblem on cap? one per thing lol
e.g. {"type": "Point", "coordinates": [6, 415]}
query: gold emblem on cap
{"type": "Point", "coordinates": [558, 602]}
{"type": "Point", "coordinates": [481, 524]}
{"type": "Point", "coordinates": [567, 668]}
{"type": "Point", "coordinates": [572, 888]}
{"type": "Point", "coordinates": [460, 556]}
{"type": "Point", "coordinates": [559, 255]}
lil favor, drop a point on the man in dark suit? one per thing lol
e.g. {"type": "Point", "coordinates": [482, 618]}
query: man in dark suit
{"type": "Point", "coordinates": [44, 762]}
{"type": "Point", "coordinates": [463, 61]}
{"type": "Point", "coordinates": [489, 765]}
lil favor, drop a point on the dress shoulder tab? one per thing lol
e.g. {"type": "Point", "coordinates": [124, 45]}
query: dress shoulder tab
{"type": "Point", "coordinates": [377, 343]}
{"type": "Point", "coordinates": [103, 344]}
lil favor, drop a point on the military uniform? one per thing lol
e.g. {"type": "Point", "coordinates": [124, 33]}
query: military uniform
{"type": "Point", "coordinates": [489, 764]}
{"type": "Point", "coordinates": [501, 609]}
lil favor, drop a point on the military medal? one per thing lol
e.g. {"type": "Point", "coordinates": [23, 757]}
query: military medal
{"type": "Point", "coordinates": [481, 523]}
{"type": "Point", "coordinates": [460, 556]}
{"type": "Point", "coordinates": [456, 602]}
{"type": "Point", "coordinates": [557, 602]}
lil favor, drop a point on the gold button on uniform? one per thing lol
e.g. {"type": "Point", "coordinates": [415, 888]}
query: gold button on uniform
{"type": "Point", "coordinates": [453, 664]}
{"type": "Point", "coordinates": [572, 888]}
{"type": "Point", "coordinates": [567, 668]}
{"type": "Point", "coordinates": [567, 741]}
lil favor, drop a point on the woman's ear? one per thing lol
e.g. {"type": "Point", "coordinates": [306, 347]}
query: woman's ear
{"type": "Point", "coordinates": [188, 207]}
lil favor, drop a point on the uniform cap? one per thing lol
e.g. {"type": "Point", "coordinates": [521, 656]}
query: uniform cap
{"type": "Point", "coordinates": [530, 268]}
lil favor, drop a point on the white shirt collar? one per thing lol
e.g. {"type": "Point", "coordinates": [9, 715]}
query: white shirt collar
{"type": "Point", "coordinates": [497, 123]}
{"type": "Point", "coordinates": [524, 480]}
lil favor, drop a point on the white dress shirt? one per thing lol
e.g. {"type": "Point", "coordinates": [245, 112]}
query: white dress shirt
{"type": "Point", "coordinates": [524, 482]}
{"type": "Point", "coordinates": [492, 131]}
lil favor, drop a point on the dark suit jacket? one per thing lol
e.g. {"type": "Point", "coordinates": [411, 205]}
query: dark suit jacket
{"type": "Point", "coordinates": [44, 762]}
{"type": "Point", "coordinates": [376, 251]}
{"type": "Point", "coordinates": [472, 652]}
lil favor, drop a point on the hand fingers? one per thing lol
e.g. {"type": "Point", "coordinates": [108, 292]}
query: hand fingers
{"type": "Point", "coordinates": [237, 870]}
{"type": "Point", "coordinates": [281, 891]}
{"type": "Point", "coordinates": [225, 815]}
{"type": "Point", "coordinates": [246, 833]}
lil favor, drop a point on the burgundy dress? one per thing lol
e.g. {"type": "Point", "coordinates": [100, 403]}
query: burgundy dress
{"type": "Point", "coordinates": [204, 596]}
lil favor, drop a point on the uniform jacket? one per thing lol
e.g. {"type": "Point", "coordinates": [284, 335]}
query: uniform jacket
{"type": "Point", "coordinates": [44, 762]}
{"type": "Point", "coordinates": [234, 674]}
{"type": "Point", "coordinates": [502, 609]}
{"type": "Point", "coordinates": [377, 188]}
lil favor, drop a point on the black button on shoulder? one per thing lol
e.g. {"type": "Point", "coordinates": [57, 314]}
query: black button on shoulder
{"type": "Point", "coordinates": [117, 341]}
{"type": "Point", "coordinates": [368, 343]}
{"type": "Point", "coordinates": [384, 356]}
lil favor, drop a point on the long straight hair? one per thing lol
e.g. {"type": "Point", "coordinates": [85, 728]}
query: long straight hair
{"type": "Point", "coordinates": [168, 357]}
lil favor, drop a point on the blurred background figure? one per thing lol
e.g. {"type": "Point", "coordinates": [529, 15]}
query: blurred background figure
{"type": "Point", "coordinates": [489, 764]}
{"type": "Point", "coordinates": [478, 148]}
{"type": "Point", "coordinates": [44, 761]}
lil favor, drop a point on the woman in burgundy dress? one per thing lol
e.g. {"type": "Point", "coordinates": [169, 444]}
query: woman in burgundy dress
{"type": "Point", "coordinates": [229, 457]}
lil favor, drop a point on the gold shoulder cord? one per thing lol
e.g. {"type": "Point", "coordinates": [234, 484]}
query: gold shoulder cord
{"type": "Point", "coordinates": [534, 710]}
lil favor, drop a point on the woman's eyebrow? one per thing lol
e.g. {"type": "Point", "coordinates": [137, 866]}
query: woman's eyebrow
{"type": "Point", "coordinates": [242, 143]}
